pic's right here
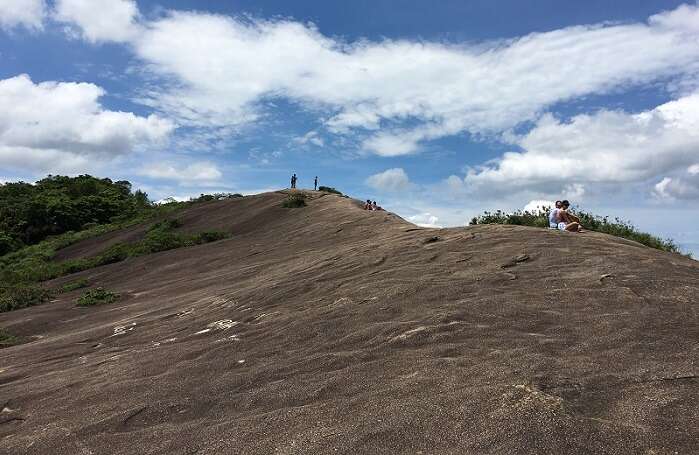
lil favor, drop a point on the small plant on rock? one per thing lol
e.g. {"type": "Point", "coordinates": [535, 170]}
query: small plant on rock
{"type": "Point", "coordinates": [7, 339]}
{"type": "Point", "coordinates": [73, 285]}
{"type": "Point", "coordinates": [329, 189]}
{"type": "Point", "coordinates": [294, 200]}
{"type": "Point", "coordinates": [98, 296]}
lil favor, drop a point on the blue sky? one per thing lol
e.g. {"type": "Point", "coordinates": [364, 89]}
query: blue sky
{"type": "Point", "coordinates": [438, 110]}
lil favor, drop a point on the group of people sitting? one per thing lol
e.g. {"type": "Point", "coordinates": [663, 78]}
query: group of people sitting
{"type": "Point", "coordinates": [560, 218]}
{"type": "Point", "coordinates": [369, 205]}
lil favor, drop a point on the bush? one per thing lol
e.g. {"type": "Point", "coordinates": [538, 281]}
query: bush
{"type": "Point", "coordinates": [210, 236]}
{"type": "Point", "coordinates": [7, 339]}
{"type": "Point", "coordinates": [14, 297]}
{"type": "Point", "coordinates": [21, 270]}
{"type": "Point", "coordinates": [215, 197]}
{"type": "Point", "coordinates": [294, 200]}
{"type": "Point", "coordinates": [98, 296]}
{"type": "Point", "coordinates": [166, 225]}
{"type": "Point", "coordinates": [73, 285]}
{"type": "Point", "coordinates": [329, 189]}
{"type": "Point", "coordinates": [115, 253]}
{"type": "Point", "coordinates": [618, 227]}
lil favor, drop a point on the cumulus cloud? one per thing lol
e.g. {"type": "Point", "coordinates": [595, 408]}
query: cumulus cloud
{"type": "Point", "coordinates": [605, 147]}
{"type": "Point", "coordinates": [62, 126]}
{"type": "Point", "coordinates": [425, 219]}
{"type": "Point", "coordinates": [220, 71]}
{"type": "Point", "coordinates": [683, 186]}
{"type": "Point", "coordinates": [27, 13]}
{"type": "Point", "coordinates": [538, 205]}
{"type": "Point", "coordinates": [200, 172]}
{"type": "Point", "coordinates": [100, 20]}
{"type": "Point", "coordinates": [389, 180]}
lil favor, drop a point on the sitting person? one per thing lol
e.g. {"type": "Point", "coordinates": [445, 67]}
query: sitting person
{"type": "Point", "coordinates": [554, 217]}
{"type": "Point", "coordinates": [367, 205]}
{"type": "Point", "coordinates": [567, 221]}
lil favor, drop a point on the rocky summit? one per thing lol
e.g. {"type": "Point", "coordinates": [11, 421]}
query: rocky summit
{"type": "Point", "coordinates": [331, 329]}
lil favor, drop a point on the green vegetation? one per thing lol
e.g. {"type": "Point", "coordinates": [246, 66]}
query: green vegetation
{"type": "Point", "coordinates": [98, 296]}
{"type": "Point", "coordinates": [216, 197]}
{"type": "Point", "coordinates": [329, 189]}
{"type": "Point", "coordinates": [23, 269]}
{"type": "Point", "coordinates": [38, 220]}
{"type": "Point", "coordinates": [56, 205]}
{"type": "Point", "coordinates": [7, 339]}
{"type": "Point", "coordinates": [295, 200]}
{"type": "Point", "coordinates": [618, 227]}
{"type": "Point", "coordinates": [21, 295]}
{"type": "Point", "coordinates": [73, 285]}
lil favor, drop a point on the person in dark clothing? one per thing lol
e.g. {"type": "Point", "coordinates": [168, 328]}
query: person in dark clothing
{"type": "Point", "coordinates": [315, 184]}
{"type": "Point", "coordinates": [293, 181]}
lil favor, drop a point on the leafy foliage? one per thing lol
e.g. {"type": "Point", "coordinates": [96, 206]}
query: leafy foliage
{"type": "Point", "coordinates": [98, 296]}
{"type": "Point", "coordinates": [617, 227]}
{"type": "Point", "coordinates": [7, 339]}
{"type": "Point", "coordinates": [23, 269]}
{"type": "Point", "coordinates": [16, 296]}
{"type": "Point", "coordinates": [57, 204]}
{"type": "Point", "coordinates": [73, 285]}
{"type": "Point", "coordinates": [294, 200]}
{"type": "Point", "coordinates": [216, 197]}
{"type": "Point", "coordinates": [329, 189]}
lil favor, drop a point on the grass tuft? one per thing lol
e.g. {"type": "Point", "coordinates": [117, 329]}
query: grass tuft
{"type": "Point", "coordinates": [329, 189]}
{"type": "Point", "coordinates": [7, 339]}
{"type": "Point", "coordinates": [294, 200]}
{"type": "Point", "coordinates": [98, 296]}
{"type": "Point", "coordinates": [73, 285]}
{"type": "Point", "coordinates": [16, 296]}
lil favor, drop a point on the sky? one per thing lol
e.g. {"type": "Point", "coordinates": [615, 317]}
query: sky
{"type": "Point", "coordinates": [436, 110]}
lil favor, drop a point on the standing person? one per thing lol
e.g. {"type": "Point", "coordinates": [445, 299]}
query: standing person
{"type": "Point", "coordinates": [293, 181]}
{"type": "Point", "coordinates": [315, 184]}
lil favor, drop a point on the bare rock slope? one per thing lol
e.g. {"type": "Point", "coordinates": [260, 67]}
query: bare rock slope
{"type": "Point", "coordinates": [329, 329]}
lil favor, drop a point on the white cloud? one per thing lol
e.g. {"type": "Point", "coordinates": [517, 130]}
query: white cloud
{"type": "Point", "coordinates": [683, 186]}
{"type": "Point", "coordinates": [425, 219]}
{"type": "Point", "coordinates": [219, 71]}
{"type": "Point", "coordinates": [311, 137]}
{"type": "Point", "coordinates": [389, 180]}
{"type": "Point", "coordinates": [606, 147]}
{"type": "Point", "coordinates": [538, 205]}
{"type": "Point", "coordinates": [27, 13]}
{"type": "Point", "coordinates": [62, 126]}
{"type": "Point", "coordinates": [100, 20]}
{"type": "Point", "coordinates": [391, 145]}
{"type": "Point", "coordinates": [200, 172]}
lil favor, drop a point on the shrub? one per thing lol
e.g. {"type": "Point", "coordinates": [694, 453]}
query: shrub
{"type": "Point", "coordinates": [294, 200]}
{"type": "Point", "coordinates": [329, 189]}
{"type": "Point", "coordinates": [22, 269]}
{"type": "Point", "coordinates": [98, 296]}
{"type": "Point", "coordinates": [14, 297]}
{"type": "Point", "coordinates": [166, 225]}
{"type": "Point", "coordinates": [210, 236]}
{"type": "Point", "coordinates": [618, 227]}
{"type": "Point", "coordinates": [115, 253]}
{"type": "Point", "coordinates": [7, 339]}
{"type": "Point", "coordinates": [215, 197]}
{"type": "Point", "coordinates": [73, 285]}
